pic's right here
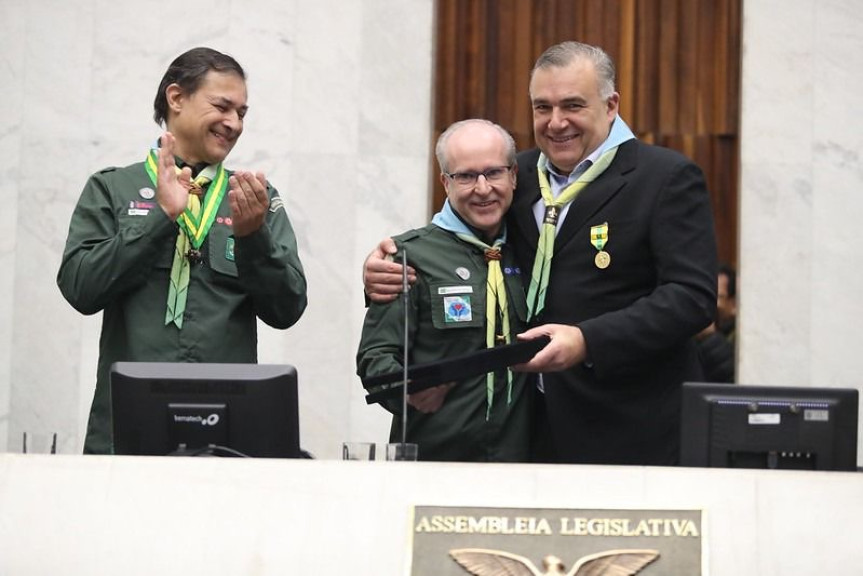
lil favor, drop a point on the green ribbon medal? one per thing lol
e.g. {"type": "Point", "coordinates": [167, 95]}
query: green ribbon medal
{"type": "Point", "coordinates": [197, 226]}
{"type": "Point", "coordinates": [195, 223]}
{"type": "Point", "coordinates": [599, 237]}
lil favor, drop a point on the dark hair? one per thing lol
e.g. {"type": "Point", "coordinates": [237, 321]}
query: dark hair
{"type": "Point", "coordinates": [729, 272]}
{"type": "Point", "coordinates": [188, 71]}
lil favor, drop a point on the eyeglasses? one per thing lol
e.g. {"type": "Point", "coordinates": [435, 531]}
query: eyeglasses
{"type": "Point", "coordinates": [493, 175]}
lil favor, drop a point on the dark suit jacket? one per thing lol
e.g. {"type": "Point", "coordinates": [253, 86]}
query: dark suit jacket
{"type": "Point", "coordinates": [638, 316]}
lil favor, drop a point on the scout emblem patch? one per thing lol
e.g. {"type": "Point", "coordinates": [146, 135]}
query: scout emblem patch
{"type": "Point", "coordinates": [229, 250]}
{"type": "Point", "coordinates": [457, 309]}
{"type": "Point", "coordinates": [599, 238]}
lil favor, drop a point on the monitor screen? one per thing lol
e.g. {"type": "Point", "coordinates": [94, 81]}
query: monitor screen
{"type": "Point", "coordinates": [162, 408]}
{"type": "Point", "coordinates": [795, 428]}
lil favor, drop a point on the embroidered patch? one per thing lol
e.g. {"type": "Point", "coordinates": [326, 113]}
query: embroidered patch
{"type": "Point", "coordinates": [457, 309]}
{"type": "Point", "coordinates": [137, 208]}
{"type": "Point", "coordinates": [229, 250]}
{"type": "Point", "coordinates": [276, 203]}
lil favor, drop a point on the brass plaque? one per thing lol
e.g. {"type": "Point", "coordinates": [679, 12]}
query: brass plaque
{"type": "Point", "coordinates": [458, 541]}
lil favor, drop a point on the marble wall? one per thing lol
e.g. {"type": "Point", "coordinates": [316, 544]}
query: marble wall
{"type": "Point", "coordinates": [340, 95]}
{"type": "Point", "coordinates": [339, 121]}
{"type": "Point", "coordinates": [801, 195]}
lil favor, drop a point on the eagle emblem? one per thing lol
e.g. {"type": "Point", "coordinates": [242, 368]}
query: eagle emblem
{"type": "Point", "coordinates": [481, 562]}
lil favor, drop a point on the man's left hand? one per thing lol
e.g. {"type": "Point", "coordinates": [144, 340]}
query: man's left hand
{"type": "Point", "coordinates": [566, 349]}
{"type": "Point", "coordinates": [429, 400]}
{"type": "Point", "coordinates": [249, 202]}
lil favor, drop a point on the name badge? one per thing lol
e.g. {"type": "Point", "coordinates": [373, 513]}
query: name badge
{"type": "Point", "coordinates": [444, 290]}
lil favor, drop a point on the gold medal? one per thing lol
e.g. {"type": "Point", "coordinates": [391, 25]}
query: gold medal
{"type": "Point", "coordinates": [599, 237]}
{"type": "Point", "coordinates": [602, 259]}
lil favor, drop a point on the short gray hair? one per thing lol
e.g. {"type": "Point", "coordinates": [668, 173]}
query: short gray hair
{"type": "Point", "coordinates": [565, 53]}
{"type": "Point", "coordinates": [440, 147]}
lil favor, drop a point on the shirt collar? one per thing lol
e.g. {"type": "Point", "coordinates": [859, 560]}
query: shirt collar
{"type": "Point", "coordinates": [619, 133]}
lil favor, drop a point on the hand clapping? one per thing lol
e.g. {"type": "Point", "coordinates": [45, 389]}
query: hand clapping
{"type": "Point", "coordinates": [249, 202]}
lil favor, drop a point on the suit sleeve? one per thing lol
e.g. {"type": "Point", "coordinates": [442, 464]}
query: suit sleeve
{"type": "Point", "coordinates": [269, 268]}
{"type": "Point", "coordinates": [102, 259]}
{"type": "Point", "coordinates": [683, 249]}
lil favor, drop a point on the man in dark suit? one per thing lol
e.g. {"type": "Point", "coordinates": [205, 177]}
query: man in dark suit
{"type": "Point", "coordinates": [633, 273]}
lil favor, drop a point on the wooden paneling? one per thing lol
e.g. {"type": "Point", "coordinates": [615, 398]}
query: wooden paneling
{"type": "Point", "coordinates": [678, 74]}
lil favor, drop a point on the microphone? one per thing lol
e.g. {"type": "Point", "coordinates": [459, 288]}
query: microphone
{"type": "Point", "coordinates": [405, 299]}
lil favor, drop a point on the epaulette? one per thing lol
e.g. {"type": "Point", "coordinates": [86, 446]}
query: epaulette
{"type": "Point", "coordinates": [409, 235]}
{"type": "Point", "coordinates": [107, 170]}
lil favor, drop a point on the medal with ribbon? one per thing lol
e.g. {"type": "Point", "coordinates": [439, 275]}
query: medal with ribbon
{"type": "Point", "coordinates": [599, 238]}
{"type": "Point", "coordinates": [196, 226]}
{"type": "Point", "coordinates": [195, 222]}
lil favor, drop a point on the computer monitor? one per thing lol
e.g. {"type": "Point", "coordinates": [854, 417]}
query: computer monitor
{"type": "Point", "coordinates": [796, 428]}
{"type": "Point", "coordinates": [165, 408]}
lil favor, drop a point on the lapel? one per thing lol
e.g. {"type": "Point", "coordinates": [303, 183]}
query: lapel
{"type": "Point", "coordinates": [526, 194]}
{"type": "Point", "coordinates": [585, 208]}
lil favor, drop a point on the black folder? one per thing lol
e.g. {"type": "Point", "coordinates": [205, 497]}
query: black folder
{"type": "Point", "coordinates": [452, 369]}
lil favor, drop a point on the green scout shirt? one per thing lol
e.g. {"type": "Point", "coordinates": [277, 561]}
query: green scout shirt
{"type": "Point", "coordinates": [458, 431]}
{"type": "Point", "coordinates": [118, 260]}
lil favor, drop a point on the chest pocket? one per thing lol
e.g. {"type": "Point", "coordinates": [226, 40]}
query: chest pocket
{"type": "Point", "coordinates": [457, 305]}
{"type": "Point", "coordinates": [220, 251]}
{"type": "Point", "coordinates": [133, 217]}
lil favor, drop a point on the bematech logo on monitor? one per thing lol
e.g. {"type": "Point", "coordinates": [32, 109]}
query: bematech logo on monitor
{"type": "Point", "coordinates": [210, 420]}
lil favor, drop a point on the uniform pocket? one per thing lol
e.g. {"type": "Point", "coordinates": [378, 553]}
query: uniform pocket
{"type": "Point", "coordinates": [136, 219]}
{"type": "Point", "coordinates": [220, 247]}
{"type": "Point", "coordinates": [457, 306]}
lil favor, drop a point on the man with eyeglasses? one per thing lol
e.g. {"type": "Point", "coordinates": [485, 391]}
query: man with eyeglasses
{"type": "Point", "coordinates": [616, 240]}
{"type": "Point", "coordinates": [468, 296]}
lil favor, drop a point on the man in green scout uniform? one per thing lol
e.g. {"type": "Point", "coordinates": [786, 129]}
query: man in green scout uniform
{"type": "Point", "coordinates": [468, 296]}
{"type": "Point", "coordinates": [181, 254]}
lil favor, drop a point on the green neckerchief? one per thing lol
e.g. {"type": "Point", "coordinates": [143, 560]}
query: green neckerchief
{"type": "Point", "coordinates": [195, 222]}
